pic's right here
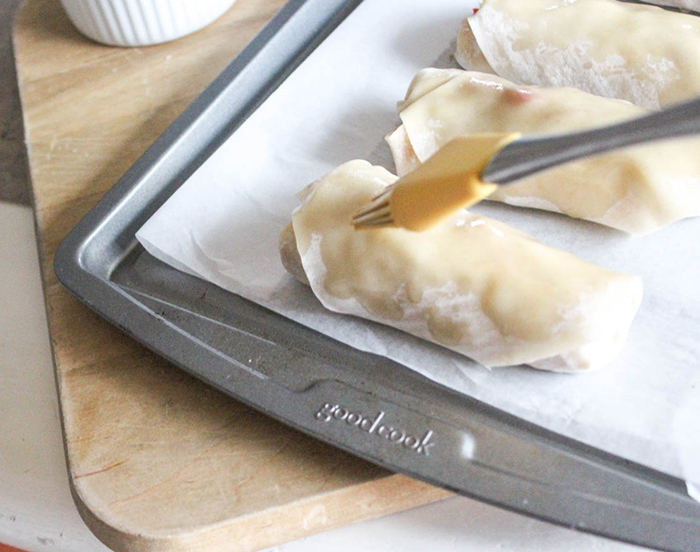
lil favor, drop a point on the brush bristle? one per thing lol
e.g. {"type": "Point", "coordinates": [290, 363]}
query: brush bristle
{"type": "Point", "coordinates": [376, 213]}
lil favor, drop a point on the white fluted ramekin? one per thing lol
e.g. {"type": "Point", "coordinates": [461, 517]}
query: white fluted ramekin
{"type": "Point", "coordinates": [142, 22]}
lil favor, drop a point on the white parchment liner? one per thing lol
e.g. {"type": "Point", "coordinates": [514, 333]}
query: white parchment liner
{"type": "Point", "coordinates": [223, 225]}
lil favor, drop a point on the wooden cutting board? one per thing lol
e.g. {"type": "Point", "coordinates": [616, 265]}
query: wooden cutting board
{"type": "Point", "coordinates": [157, 460]}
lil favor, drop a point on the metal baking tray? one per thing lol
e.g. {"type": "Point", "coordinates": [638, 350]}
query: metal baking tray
{"type": "Point", "coordinates": [364, 404]}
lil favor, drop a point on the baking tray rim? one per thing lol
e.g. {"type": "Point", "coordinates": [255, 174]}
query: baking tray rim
{"type": "Point", "coordinates": [107, 231]}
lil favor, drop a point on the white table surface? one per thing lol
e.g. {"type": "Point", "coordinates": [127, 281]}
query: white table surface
{"type": "Point", "coordinates": [36, 509]}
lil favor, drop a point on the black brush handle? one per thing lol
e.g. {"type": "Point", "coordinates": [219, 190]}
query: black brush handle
{"type": "Point", "coordinates": [528, 156]}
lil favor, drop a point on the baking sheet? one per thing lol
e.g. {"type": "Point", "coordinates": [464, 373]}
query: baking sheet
{"type": "Point", "coordinates": [223, 225]}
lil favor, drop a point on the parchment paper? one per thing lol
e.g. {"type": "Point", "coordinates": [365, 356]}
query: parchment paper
{"type": "Point", "coordinates": [223, 225]}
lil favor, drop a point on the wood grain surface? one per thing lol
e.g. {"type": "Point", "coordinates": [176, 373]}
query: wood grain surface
{"type": "Point", "coordinates": [159, 461]}
{"type": "Point", "coordinates": [8, 548]}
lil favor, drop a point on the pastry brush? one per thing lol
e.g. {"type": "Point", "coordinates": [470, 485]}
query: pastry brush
{"type": "Point", "coordinates": [469, 168]}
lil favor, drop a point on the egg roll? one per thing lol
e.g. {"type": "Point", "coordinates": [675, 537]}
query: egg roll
{"type": "Point", "coordinates": [471, 284]}
{"type": "Point", "coordinates": [643, 54]}
{"type": "Point", "coordinates": [637, 189]}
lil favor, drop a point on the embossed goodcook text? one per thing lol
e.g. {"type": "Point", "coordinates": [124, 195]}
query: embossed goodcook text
{"type": "Point", "coordinates": [375, 426]}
